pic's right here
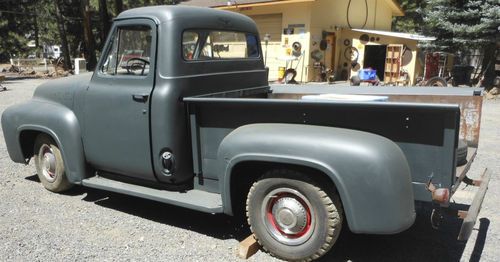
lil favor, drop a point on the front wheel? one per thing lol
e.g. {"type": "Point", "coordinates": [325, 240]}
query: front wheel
{"type": "Point", "coordinates": [292, 217]}
{"type": "Point", "coordinates": [50, 165]}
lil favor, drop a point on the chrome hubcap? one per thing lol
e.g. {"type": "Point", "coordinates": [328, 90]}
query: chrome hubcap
{"type": "Point", "coordinates": [288, 216]}
{"type": "Point", "coordinates": [48, 163]}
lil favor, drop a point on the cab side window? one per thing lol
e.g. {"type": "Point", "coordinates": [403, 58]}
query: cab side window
{"type": "Point", "coordinates": [129, 53]}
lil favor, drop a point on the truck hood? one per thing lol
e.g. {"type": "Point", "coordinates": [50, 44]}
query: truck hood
{"type": "Point", "coordinates": [62, 91]}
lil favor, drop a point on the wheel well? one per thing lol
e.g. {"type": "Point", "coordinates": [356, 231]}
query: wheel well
{"type": "Point", "coordinates": [245, 173]}
{"type": "Point", "coordinates": [27, 141]}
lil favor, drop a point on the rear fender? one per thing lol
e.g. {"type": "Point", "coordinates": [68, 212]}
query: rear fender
{"type": "Point", "coordinates": [370, 172]}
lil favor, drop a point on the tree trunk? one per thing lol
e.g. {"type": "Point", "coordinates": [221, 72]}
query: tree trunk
{"type": "Point", "coordinates": [35, 22]}
{"type": "Point", "coordinates": [118, 6]}
{"type": "Point", "coordinates": [106, 23]}
{"type": "Point", "coordinates": [62, 35]}
{"type": "Point", "coordinates": [88, 37]}
{"type": "Point", "coordinates": [488, 65]}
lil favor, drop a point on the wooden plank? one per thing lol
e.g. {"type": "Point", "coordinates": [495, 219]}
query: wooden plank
{"type": "Point", "coordinates": [2, 88]}
{"type": "Point", "coordinates": [474, 208]}
{"type": "Point", "coordinates": [248, 247]}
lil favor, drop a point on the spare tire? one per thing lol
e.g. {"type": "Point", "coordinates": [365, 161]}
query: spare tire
{"type": "Point", "coordinates": [436, 81]}
{"type": "Point", "coordinates": [461, 153]}
{"type": "Point", "coordinates": [355, 81]}
{"type": "Point", "coordinates": [290, 75]}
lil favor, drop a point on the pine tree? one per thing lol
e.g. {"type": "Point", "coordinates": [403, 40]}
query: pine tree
{"type": "Point", "coordinates": [461, 25]}
{"type": "Point", "coordinates": [413, 19]}
{"type": "Point", "coordinates": [25, 20]}
{"type": "Point", "coordinates": [464, 26]}
{"type": "Point", "coordinates": [16, 28]}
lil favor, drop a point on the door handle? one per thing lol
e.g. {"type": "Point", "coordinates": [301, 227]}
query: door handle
{"type": "Point", "coordinates": [140, 97]}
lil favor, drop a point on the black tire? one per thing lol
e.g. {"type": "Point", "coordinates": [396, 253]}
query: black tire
{"type": "Point", "coordinates": [49, 164]}
{"type": "Point", "coordinates": [355, 81]}
{"type": "Point", "coordinates": [290, 75]}
{"type": "Point", "coordinates": [310, 217]}
{"type": "Point", "coordinates": [436, 81]}
{"type": "Point", "coordinates": [461, 153]}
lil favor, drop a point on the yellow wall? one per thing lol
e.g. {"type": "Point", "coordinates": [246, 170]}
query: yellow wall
{"type": "Point", "coordinates": [319, 16]}
{"type": "Point", "coordinates": [330, 13]}
{"type": "Point", "coordinates": [298, 13]}
{"type": "Point", "coordinates": [331, 16]}
{"type": "Point", "coordinates": [382, 18]}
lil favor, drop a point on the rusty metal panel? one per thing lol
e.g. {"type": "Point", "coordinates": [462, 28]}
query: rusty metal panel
{"type": "Point", "coordinates": [470, 110]}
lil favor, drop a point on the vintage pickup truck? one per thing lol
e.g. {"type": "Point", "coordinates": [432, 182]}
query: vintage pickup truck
{"type": "Point", "coordinates": [179, 110]}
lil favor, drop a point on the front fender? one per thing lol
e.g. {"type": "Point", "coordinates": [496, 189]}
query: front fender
{"type": "Point", "coordinates": [53, 119]}
{"type": "Point", "coordinates": [370, 172]}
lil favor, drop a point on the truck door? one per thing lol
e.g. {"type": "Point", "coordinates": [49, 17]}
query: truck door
{"type": "Point", "coordinates": [116, 132]}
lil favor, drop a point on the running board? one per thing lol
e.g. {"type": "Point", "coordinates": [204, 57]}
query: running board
{"type": "Point", "coordinates": [193, 199]}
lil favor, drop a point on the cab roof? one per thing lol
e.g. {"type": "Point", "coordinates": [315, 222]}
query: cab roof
{"type": "Point", "coordinates": [193, 17]}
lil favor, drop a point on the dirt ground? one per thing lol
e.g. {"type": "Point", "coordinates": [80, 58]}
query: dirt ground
{"type": "Point", "coordinates": [87, 224]}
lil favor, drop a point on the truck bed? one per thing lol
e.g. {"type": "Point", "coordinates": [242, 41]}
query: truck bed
{"type": "Point", "coordinates": [424, 122]}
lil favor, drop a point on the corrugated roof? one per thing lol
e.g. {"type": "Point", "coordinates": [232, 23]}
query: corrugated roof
{"type": "Point", "coordinates": [393, 4]}
{"type": "Point", "coordinates": [219, 3]}
{"type": "Point", "coordinates": [397, 34]}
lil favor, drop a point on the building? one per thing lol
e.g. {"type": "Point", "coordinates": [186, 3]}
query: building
{"type": "Point", "coordinates": [345, 35]}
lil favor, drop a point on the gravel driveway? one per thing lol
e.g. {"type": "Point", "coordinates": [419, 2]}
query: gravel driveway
{"type": "Point", "coordinates": [87, 224]}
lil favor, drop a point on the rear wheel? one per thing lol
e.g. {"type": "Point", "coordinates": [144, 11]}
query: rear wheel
{"type": "Point", "coordinates": [292, 217]}
{"type": "Point", "coordinates": [50, 165]}
{"type": "Point", "coordinates": [462, 153]}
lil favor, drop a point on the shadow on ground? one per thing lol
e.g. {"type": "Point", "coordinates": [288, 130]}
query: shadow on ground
{"type": "Point", "coordinates": [419, 243]}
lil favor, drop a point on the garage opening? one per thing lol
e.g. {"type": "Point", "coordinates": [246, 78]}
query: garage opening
{"type": "Point", "coordinates": [375, 59]}
{"type": "Point", "coordinates": [270, 24]}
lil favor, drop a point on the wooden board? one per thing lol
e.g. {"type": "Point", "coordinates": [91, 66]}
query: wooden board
{"type": "Point", "coordinates": [248, 247]}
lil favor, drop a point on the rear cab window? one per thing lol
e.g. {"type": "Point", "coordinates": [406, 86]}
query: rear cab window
{"type": "Point", "coordinates": [219, 45]}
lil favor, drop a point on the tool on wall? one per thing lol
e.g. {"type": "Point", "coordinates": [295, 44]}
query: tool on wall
{"type": "Point", "coordinates": [351, 54]}
{"type": "Point", "coordinates": [267, 38]}
{"type": "Point", "coordinates": [291, 72]}
{"type": "Point", "coordinates": [366, 14]}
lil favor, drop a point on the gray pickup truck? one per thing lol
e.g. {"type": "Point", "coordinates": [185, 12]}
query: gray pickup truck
{"type": "Point", "coordinates": [179, 110]}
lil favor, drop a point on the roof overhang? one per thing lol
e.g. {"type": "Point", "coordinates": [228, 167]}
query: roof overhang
{"type": "Point", "coordinates": [396, 8]}
{"type": "Point", "coordinates": [264, 3]}
{"type": "Point", "coordinates": [397, 34]}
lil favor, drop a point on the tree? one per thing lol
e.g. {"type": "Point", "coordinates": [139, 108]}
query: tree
{"type": "Point", "coordinates": [105, 19]}
{"type": "Point", "coordinates": [16, 29]}
{"type": "Point", "coordinates": [413, 19]}
{"type": "Point", "coordinates": [463, 26]}
{"type": "Point", "coordinates": [76, 25]}
{"type": "Point", "coordinates": [62, 35]}
{"type": "Point", "coordinates": [88, 37]}
{"type": "Point", "coordinates": [118, 6]}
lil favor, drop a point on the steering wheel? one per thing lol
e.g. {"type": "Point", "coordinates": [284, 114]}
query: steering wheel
{"type": "Point", "coordinates": [138, 64]}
